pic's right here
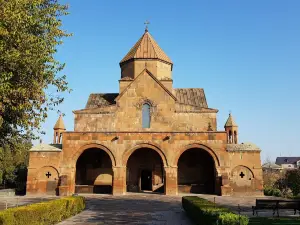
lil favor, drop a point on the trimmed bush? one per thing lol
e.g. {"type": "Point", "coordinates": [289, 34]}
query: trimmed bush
{"type": "Point", "coordinates": [45, 213]}
{"type": "Point", "coordinates": [269, 191]}
{"type": "Point", "coordinates": [204, 212]}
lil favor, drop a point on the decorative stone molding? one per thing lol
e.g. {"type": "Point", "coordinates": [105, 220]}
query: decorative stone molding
{"type": "Point", "coordinates": [153, 105]}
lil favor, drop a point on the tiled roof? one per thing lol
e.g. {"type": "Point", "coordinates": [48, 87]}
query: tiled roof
{"type": "Point", "coordinates": [60, 123]}
{"type": "Point", "coordinates": [98, 100]}
{"type": "Point", "coordinates": [46, 148]}
{"type": "Point", "coordinates": [230, 122]}
{"type": "Point", "coordinates": [191, 96]}
{"type": "Point", "coordinates": [270, 165]}
{"type": "Point", "coordinates": [146, 48]}
{"type": "Point", "coordinates": [188, 96]}
{"type": "Point", "coordinates": [242, 147]}
{"type": "Point", "coordinates": [287, 160]}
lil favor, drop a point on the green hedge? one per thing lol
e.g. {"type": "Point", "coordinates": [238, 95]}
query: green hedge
{"type": "Point", "coordinates": [268, 191]}
{"type": "Point", "coordinates": [43, 213]}
{"type": "Point", "coordinates": [204, 212]}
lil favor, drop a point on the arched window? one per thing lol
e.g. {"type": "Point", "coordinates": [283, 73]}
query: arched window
{"type": "Point", "coordinates": [146, 115]}
{"type": "Point", "coordinates": [230, 137]}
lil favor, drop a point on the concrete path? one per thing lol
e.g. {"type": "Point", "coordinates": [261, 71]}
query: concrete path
{"type": "Point", "coordinates": [131, 209]}
{"type": "Point", "coordinates": [157, 209]}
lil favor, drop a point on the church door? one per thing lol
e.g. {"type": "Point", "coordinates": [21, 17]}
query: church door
{"type": "Point", "coordinates": [146, 180]}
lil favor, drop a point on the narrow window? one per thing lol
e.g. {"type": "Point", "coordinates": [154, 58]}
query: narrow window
{"type": "Point", "coordinates": [230, 137]}
{"type": "Point", "coordinates": [146, 116]}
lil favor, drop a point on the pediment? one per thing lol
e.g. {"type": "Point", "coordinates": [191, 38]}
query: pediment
{"type": "Point", "coordinates": [147, 73]}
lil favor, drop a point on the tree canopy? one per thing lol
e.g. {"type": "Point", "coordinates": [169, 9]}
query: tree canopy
{"type": "Point", "coordinates": [13, 163]}
{"type": "Point", "coordinates": [30, 79]}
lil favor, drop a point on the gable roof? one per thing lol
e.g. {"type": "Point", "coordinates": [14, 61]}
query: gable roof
{"type": "Point", "coordinates": [154, 78]}
{"type": "Point", "coordinates": [46, 148]}
{"type": "Point", "coordinates": [191, 96]}
{"type": "Point", "coordinates": [286, 160]}
{"type": "Point", "coordinates": [187, 96]}
{"type": "Point", "coordinates": [98, 100]}
{"type": "Point", "coordinates": [146, 48]}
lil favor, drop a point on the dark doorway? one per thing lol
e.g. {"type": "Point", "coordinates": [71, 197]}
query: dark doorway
{"type": "Point", "coordinates": [145, 171]}
{"type": "Point", "coordinates": [93, 172]}
{"type": "Point", "coordinates": [196, 172]}
{"type": "Point", "coordinates": [146, 180]}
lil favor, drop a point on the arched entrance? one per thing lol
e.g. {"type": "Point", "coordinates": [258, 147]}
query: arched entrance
{"type": "Point", "coordinates": [145, 171]}
{"type": "Point", "coordinates": [47, 180]}
{"type": "Point", "coordinates": [94, 172]}
{"type": "Point", "coordinates": [196, 172]}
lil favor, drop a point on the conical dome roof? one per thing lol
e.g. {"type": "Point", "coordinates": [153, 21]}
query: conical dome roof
{"type": "Point", "coordinates": [230, 122]}
{"type": "Point", "coordinates": [59, 124]}
{"type": "Point", "coordinates": [146, 48]}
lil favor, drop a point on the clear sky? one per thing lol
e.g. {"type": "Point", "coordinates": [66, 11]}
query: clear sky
{"type": "Point", "coordinates": [245, 54]}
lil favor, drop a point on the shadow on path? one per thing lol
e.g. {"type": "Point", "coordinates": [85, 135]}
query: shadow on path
{"type": "Point", "coordinates": [131, 209]}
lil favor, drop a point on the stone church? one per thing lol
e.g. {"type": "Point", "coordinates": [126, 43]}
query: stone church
{"type": "Point", "coordinates": [148, 137]}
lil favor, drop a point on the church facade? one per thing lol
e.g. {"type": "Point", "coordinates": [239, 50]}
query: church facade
{"type": "Point", "coordinates": [148, 137]}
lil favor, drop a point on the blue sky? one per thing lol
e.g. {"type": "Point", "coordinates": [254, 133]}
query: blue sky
{"type": "Point", "coordinates": [245, 54]}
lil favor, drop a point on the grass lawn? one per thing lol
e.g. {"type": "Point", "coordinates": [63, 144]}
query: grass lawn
{"type": "Point", "coordinates": [274, 221]}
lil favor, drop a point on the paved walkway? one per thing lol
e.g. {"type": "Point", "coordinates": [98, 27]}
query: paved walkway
{"type": "Point", "coordinates": [154, 209]}
{"type": "Point", "coordinates": [141, 208]}
{"type": "Point", "coordinates": [131, 209]}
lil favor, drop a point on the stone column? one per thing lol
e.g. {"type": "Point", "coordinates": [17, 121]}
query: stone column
{"type": "Point", "coordinates": [67, 187]}
{"type": "Point", "coordinates": [171, 187]}
{"type": "Point", "coordinates": [119, 180]}
{"type": "Point", "coordinates": [31, 181]}
{"type": "Point", "coordinates": [226, 189]}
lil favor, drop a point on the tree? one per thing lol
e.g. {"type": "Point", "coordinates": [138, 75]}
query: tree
{"type": "Point", "coordinates": [30, 31]}
{"type": "Point", "coordinates": [270, 176]}
{"type": "Point", "coordinates": [293, 181]}
{"type": "Point", "coordinates": [13, 163]}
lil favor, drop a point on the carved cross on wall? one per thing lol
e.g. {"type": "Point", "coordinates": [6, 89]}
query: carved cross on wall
{"type": "Point", "coordinates": [242, 175]}
{"type": "Point", "coordinates": [48, 174]}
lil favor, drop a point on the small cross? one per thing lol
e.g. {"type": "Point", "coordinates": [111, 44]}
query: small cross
{"type": "Point", "coordinates": [242, 175]}
{"type": "Point", "coordinates": [48, 174]}
{"type": "Point", "coordinates": [146, 23]}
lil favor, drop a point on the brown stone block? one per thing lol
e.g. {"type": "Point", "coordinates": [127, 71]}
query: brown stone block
{"type": "Point", "coordinates": [64, 191]}
{"type": "Point", "coordinates": [94, 137]}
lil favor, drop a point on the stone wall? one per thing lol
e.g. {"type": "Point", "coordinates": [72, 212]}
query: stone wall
{"type": "Point", "coordinates": [160, 69]}
{"type": "Point", "coordinates": [169, 146]}
{"type": "Point", "coordinates": [166, 114]}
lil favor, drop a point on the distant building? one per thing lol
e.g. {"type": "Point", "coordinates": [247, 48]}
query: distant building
{"type": "Point", "coordinates": [288, 162]}
{"type": "Point", "coordinates": [271, 167]}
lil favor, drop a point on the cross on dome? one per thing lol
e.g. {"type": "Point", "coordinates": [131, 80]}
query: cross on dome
{"type": "Point", "coordinates": [146, 23]}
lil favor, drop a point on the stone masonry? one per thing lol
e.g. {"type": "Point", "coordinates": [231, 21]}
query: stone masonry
{"type": "Point", "coordinates": [147, 113]}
